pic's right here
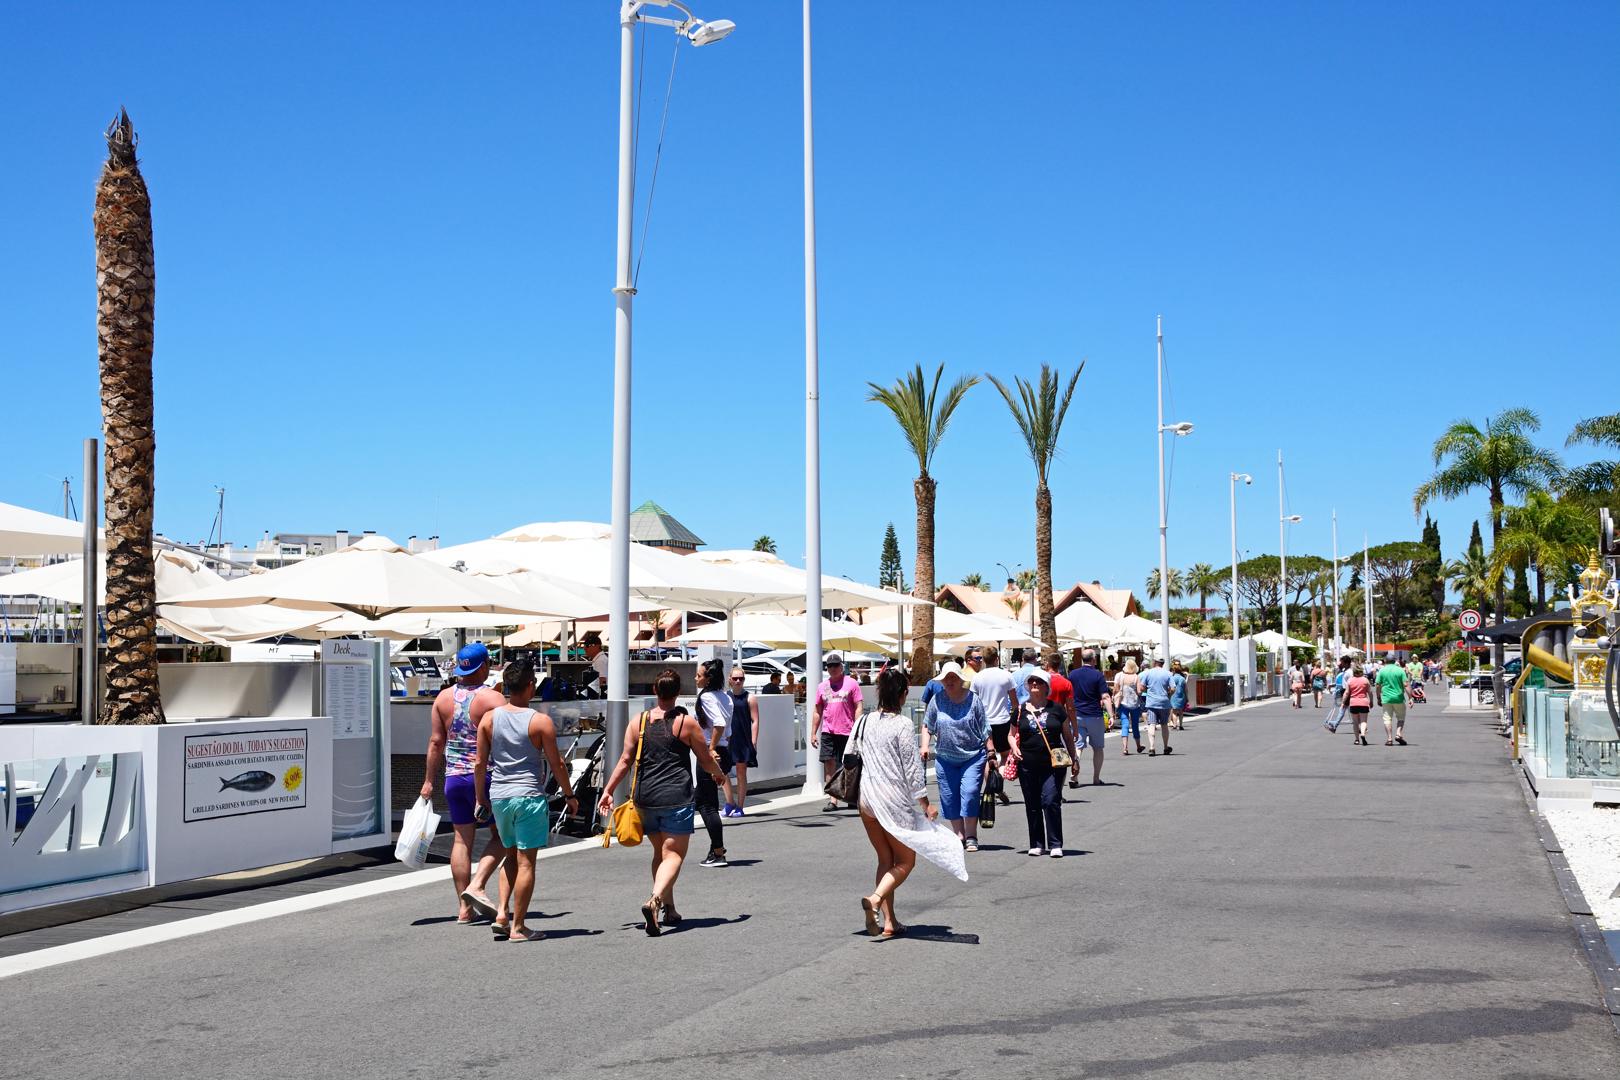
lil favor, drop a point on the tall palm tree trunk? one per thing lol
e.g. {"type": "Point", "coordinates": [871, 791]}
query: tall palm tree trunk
{"type": "Point", "coordinates": [1498, 650]}
{"type": "Point", "coordinates": [1043, 567]}
{"type": "Point", "coordinates": [922, 622]}
{"type": "Point", "coordinates": [125, 276]}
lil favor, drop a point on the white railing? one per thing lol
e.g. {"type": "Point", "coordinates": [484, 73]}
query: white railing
{"type": "Point", "coordinates": [71, 819]}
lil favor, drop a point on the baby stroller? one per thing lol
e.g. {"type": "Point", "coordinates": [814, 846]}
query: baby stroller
{"type": "Point", "coordinates": [1415, 694]}
{"type": "Point", "coordinates": [585, 780]}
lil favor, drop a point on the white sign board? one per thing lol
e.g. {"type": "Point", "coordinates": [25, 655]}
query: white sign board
{"type": "Point", "coordinates": [245, 772]}
{"type": "Point", "coordinates": [1469, 620]}
{"type": "Point", "coordinates": [346, 681]}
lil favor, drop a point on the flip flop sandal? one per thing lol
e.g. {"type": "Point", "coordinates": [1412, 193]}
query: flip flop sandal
{"type": "Point", "coordinates": [1389, 742]}
{"type": "Point", "coordinates": [501, 931]}
{"type": "Point", "coordinates": [649, 916]}
{"type": "Point", "coordinates": [899, 931]}
{"type": "Point", "coordinates": [672, 918]}
{"type": "Point", "coordinates": [870, 913]}
{"type": "Point", "coordinates": [481, 904]}
{"type": "Point", "coordinates": [1399, 741]}
{"type": "Point", "coordinates": [527, 935]}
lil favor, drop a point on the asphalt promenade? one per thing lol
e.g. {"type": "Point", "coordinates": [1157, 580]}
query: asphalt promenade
{"type": "Point", "coordinates": [1268, 902]}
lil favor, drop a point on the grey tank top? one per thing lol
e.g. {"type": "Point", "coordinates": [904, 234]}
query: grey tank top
{"type": "Point", "coordinates": [516, 768]}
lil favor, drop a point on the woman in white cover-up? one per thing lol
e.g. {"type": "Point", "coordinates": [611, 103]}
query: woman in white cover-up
{"type": "Point", "coordinates": [900, 822]}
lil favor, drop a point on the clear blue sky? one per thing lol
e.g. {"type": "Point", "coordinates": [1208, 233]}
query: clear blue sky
{"type": "Point", "coordinates": [385, 249]}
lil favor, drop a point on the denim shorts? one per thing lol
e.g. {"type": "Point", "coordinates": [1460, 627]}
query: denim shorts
{"type": "Point", "coordinates": [670, 820]}
{"type": "Point", "coordinates": [1092, 730]}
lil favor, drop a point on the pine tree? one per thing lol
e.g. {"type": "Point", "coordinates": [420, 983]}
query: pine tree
{"type": "Point", "coordinates": [891, 575]}
{"type": "Point", "coordinates": [1431, 574]}
{"type": "Point", "coordinates": [1519, 603]}
{"type": "Point", "coordinates": [1476, 547]}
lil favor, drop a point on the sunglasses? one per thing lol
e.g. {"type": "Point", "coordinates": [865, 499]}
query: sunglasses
{"type": "Point", "coordinates": [736, 678]}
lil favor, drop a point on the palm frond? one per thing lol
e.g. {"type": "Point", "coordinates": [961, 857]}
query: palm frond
{"type": "Point", "coordinates": [918, 409]}
{"type": "Point", "coordinates": [1597, 431]}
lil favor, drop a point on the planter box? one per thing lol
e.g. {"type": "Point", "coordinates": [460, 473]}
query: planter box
{"type": "Point", "coordinates": [1211, 690]}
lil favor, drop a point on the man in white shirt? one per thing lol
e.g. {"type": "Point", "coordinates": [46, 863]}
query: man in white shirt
{"type": "Point", "coordinates": [996, 690]}
{"type": "Point", "coordinates": [598, 659]}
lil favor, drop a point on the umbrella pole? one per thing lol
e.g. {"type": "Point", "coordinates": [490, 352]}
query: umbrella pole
{"type": "Point", "coordinates": [731, 634]}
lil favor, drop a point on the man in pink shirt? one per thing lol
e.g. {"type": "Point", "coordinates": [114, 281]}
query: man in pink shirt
{"type": "Point", "coordinates": [837, 705]}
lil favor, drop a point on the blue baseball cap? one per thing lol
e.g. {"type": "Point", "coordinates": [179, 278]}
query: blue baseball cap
{"type": "Point", "coordinates": [471, 658]}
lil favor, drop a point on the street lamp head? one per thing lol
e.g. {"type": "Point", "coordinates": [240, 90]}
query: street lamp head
{"type": "Point", "coordinates": [1293, 519]}
{"type": "Point", "coordinates": [699, 32]}
{"type": "Point", "coordinates": [1243, 476]}
{"type": "Point", "coordinates": [1183, 428]}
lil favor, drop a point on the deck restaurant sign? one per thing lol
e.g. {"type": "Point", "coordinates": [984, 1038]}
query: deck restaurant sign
{"type": "Point", "coordinates": [245, 772]}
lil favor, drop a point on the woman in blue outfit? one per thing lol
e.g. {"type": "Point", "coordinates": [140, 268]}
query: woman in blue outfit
{"type": "Point", "coordinates": [956, 728]}
{"type": "Point", "coordinates": [1128, 695]}
{"type": "Point", "coordinates": [1178, 694]}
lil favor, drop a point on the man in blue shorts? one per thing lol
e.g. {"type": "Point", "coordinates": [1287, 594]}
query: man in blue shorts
{"type": "Point", "coordinates": [1092, 698]}
{"type": "Point", "coordinates": [1157, 687]}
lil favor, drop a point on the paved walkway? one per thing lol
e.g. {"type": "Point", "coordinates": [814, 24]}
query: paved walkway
{"type": "Point", "coordinates": [1268, 902]}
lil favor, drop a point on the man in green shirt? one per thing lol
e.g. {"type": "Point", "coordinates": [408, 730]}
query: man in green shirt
{"type": "Point", "coordinates": [1391, 686]}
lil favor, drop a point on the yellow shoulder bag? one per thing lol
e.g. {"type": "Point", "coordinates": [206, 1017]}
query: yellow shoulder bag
{"type": "Point", "coordinates": [626, 826]}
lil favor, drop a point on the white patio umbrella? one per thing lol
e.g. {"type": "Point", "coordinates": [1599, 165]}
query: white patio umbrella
{"type": "Point", "coordinates": [544, 531]}
{"type": "Point", "coordinates": [30, 532]}
{"type": "Point", "coordinates": [1086, 623]}
{"type": "Point", "coordinates": [781, 631]}
{"type": "Point", "coordinates": [836, 592]}
{"type": "Point", "coordinates": [373, 578]}
{"type": "Point", "coordinates": [177, 573]}
{"type": "Point", "coordinates": [1271, 641]}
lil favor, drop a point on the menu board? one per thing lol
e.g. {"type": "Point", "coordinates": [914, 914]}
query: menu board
{"type": "Point", "coordinates": [230, 773]}
{"type": "Point", "coordinates": [347, 687]}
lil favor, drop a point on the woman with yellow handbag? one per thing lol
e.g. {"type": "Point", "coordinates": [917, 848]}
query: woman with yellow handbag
{"type": "Point", "coordinates": [658, 751]}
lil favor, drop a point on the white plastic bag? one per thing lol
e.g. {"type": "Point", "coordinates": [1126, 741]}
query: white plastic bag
{"type": "Point", "coordinates": [416, 834]}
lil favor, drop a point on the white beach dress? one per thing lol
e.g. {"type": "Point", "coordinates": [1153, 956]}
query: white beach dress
{"type": "Point", "coordinates": [892, 781]}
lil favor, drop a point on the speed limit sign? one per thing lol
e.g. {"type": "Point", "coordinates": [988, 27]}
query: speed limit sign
{"type": "Point", "coordinates": [1469, 620]}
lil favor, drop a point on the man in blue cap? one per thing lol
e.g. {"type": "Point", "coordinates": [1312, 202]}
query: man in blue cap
{"type": "Point", "coordinates": [453, 747]}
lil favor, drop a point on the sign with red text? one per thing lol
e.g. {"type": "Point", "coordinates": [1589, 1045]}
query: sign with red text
{"type": "Point", "coordinates": [245, 772]}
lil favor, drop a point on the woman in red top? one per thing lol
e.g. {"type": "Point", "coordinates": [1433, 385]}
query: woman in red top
{"type": "Point", "coordinates": [1358, 696]}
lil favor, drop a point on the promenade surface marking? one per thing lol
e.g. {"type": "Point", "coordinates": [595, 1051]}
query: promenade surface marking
{"type": "Point", "coordinates": [1269, 901]}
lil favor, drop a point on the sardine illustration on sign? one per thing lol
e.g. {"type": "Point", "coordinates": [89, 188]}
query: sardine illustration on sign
{"type": "Point", "coordinates": [248, 781]}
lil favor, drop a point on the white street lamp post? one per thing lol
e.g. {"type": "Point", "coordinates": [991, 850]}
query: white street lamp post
{"type": "Point", "coordinates": [697, 32]}
{"type": "Point", "coordinates": [812, 440]}
{"type": "Point", "coordinates": [1284, 519]}
{"type": "Point", "coordinates": [1338, 643]}
{"type": "Point", "coordinates": [1182, 428]}
{"type": "Point", "coordinates": [1236, 663]}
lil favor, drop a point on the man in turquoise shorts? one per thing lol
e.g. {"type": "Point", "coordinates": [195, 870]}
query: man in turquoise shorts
{"type": "Point", "coordinates": [1391, 686]}
{"type": "Point", "coordinates": [517, 756]}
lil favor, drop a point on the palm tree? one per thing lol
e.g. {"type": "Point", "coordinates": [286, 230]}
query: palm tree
{"type": "Point", "coordinates": [1502, 460]}
{"type": "Point", "coordinates": [923, 416]}
{"type": "Point", "coordinates": [1595, 483]}
{"type": "Point", "coordinates": [975, 581]}
{"type": "Point", "coordinates": [124, 304]}
{"type": "Point", "coordinates": [1547, 534]}
{"type": "Point", "coordinates": [1472, 577]}
{"type": "Point", "coordinates": [1025, 580]}
{"type": "Point", "coordinates": [765, 544]}
{"type": "Point", "coordinates": [1178, 585]}
{"type": "Point", "coordinates": [1039, 409]}
{"type": "Point", "coordinates": [1203, 579]}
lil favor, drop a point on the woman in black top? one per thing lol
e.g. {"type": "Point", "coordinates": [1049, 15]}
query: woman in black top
{"type": "Point", "coordinates": [1042, 724]}
{"type": "Point", "coordinates": [743, 741]}
{"type": "Point", "coordinates": [663, 790]}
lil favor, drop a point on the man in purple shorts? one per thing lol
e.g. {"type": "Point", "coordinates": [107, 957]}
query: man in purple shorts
{"type": "Point", "coordinates": [453, 747]}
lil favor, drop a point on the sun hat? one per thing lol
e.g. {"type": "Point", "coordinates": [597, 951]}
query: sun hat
{"type": "Point", "coordinates": [1037, 675]}
{"type": "Point", "coordinates": [471, 658]}
{"type": "Point", "coordinates": [950, 667]}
